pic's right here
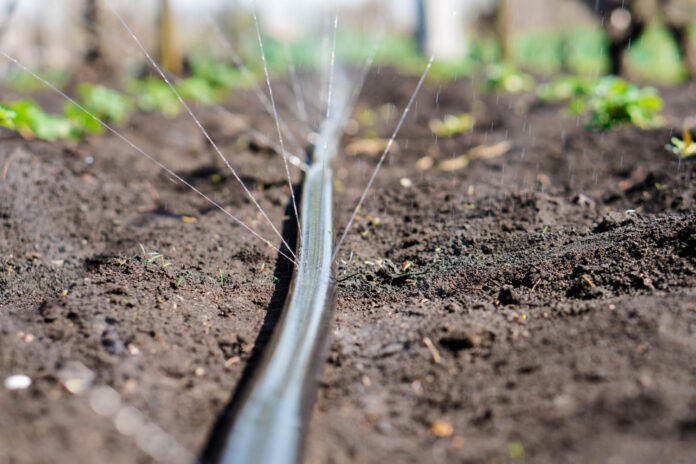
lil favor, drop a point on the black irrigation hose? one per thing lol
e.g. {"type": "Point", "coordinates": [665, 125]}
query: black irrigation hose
{"type": "Point", "coordinates": [274, 411]}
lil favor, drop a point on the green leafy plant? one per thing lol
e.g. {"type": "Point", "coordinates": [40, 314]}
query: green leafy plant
{"type": "Point", "coordinates": [7, 117]}
{"type": "Point", "coordinates": [565, 88]}
{"type": "Point", "coordinates": [452, 125]}
{"type": "Point", "coordinates": [218, 74]}
{"type": "Point", "coordinates": [609, 101]}
{"type": "Point", "coordinates": [198, 90]}
{"type": "Point", "coordinates": [105, 103]}
{"type": "Point", "coordinates": [30, 121]}
{"type": "Point", "coordinates": [613, 101]}
{"type": "Point", "coordinates": [684, 147]}
{"type": "Point", "coordinates": [505, 77]}
{"type": "Point", "coordinates": [153, 94]}
{"type": "Point", "coordinates": [81, 121]}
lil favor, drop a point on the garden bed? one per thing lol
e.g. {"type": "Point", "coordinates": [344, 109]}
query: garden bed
{"type": "Point", "coordinates": [538, 304]}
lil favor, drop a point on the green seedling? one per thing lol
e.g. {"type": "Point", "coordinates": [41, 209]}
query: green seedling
{"type": "Point", "coordinates": [7, 118]}
{"type": "Point", "coordinates": [218, 75]}
{"type": "Point", "coordinates": [154, 256]}
{"type": "Point", "coordinates": [565, 88]}
{"type": "Point", "coordinates": [198, 90]}
{"type": "Point", "coordinates": [155, 95]}
{"type": "Point", "coordinates": [541, 51]}
{"type": "Point", "coordinates": [614, 101]}
{"type": "Point", "coordinates": [81, 121]}
{"type": "Point", "coordinates": [505, 77]}
{"type": "Point", "coordinates": [366, 117]}
{"type": "Point", "coordinates": [104, 103]}
{"type": "Point", "coordinates": [30, 121]}
{"type": "Point", "coordinates": [179, 280]}
{"type": "Point", "coordinates": [452, 125]}
{"type": "Point", "coordinates": [683, 148]}
{"type": "Point", "coordinates": [609, 101]}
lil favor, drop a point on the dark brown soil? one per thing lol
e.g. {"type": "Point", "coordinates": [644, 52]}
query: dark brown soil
{"type": "Point", "coordinates": [538, 306]}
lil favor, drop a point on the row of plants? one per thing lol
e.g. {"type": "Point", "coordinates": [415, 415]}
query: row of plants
{"type": "Point", "coordinates": [606, 101]}
{"type": "Point", "coordinates": [210, 82]}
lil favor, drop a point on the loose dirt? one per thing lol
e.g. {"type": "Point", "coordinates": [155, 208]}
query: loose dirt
{"type": "Point", "coordinates": [534, 306]}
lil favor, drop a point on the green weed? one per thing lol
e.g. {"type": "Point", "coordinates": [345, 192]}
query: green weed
{"type": "Point", "coordinates": [452, 125]}
{"type": "Point", "coordinates": [683, 148]}
{"type": "Point", "coordinates": [609, 101]}
{"type": "Point", "coordinates": [505, 77]}
{"type": "Point", "coordinates": [31, 122]}
{"type": "Point", "coordinates": [152, 94]}
{"type": "Point", "coordinates": [613, 101]}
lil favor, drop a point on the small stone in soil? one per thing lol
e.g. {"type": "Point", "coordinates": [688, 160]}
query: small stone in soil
{"type": "Point", "coordinates": [26, 337]}
{"type": "Point", "coordinates": [441, 428]}
{"type": "Point", "coordinates": [17, 382]}
{"type": "Point", "coordinates": [133, 350]}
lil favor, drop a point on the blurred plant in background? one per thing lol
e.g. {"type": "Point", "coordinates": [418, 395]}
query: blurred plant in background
{"type": "Point", "coordinates": [655, 57]}
{"type": "Point", "coordinates": [502, 60]}
{"type": "Point", "coordinates": [683, 148]}
{"type": "Point", "coordinates": [608, 101]}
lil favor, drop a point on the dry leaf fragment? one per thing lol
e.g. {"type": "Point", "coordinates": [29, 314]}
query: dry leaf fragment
{"type": "Point", "coordinates": [441, 428]}
{"type": "Point", "coordinates": [424, 163]}
{"type": "Point", "coordinates": [478, 152]}
{"type": "Point", "coordinates": [433, 351]}
{"type": "Point", "coordinates": [454, 164]}
{"type": "Point", "coordinates": [370, 147]}
{"type": "Point", "coordinates": [489, 151]}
